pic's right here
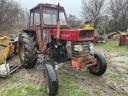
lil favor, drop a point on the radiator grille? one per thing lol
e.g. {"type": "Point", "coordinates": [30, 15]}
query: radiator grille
{"type": "Point", "coordinates": [87, 34]}
{"type": "Point", "coordinates": [81, 53]}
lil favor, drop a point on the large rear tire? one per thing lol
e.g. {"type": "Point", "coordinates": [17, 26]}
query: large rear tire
{"type": "Point", "coordinates": [51, 80]}
{"type": "Point", "coordinates": [101, 66]}
{"type": "Point", "coordinates": [27, 51]}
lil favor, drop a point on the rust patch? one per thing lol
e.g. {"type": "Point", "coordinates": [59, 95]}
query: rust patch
{"type": "Point", "coordinates": [84, 61]}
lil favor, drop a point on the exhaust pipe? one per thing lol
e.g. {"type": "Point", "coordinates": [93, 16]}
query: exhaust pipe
{"type": "Point", "coordinates": [58, 23]}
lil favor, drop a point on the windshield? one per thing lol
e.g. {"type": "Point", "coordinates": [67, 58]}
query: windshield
{"type": "Point", "coordinates": [50, 17]}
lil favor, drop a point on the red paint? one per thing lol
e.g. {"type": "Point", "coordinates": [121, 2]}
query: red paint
{"type": "Point", "coordinates": [76, 64]}
{"type": "Point", "coordinates": [70, 35]}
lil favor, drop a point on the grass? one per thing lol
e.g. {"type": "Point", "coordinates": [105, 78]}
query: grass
{"type": "Point", "coordinates": [116, 94]}
{"type": "Point", "coordinates": [24, 90]}
{"type": "Point", "coordinates": [118, 78]}
{"type": "Point", "coordinates": [20, 87]}
{"type": "Point", "coordinates": [113, 46]}
{"type": "Point", "coordinates": [68, 86]}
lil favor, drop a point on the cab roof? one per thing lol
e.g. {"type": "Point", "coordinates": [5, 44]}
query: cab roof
{"type": "Point", "coordinates": [46, 5]}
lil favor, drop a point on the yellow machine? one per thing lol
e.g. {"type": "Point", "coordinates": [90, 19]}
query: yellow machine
{"type": "Point", "coordinates": [88, 26]}
{"type": "Point", "coordinates": [8, 48]}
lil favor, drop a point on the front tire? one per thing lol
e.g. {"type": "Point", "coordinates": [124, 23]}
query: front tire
{"type": "Point", "coordinates": [101, 66]}
{"type": "Point", "coordinates": [51, 80]}
{"type": "Point", "coordinates": [27, 51]}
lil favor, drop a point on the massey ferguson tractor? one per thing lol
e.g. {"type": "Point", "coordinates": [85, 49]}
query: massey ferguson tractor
{"type": "Point", "coordinates": [50, 36]}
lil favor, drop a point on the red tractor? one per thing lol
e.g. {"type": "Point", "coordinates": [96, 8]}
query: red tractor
{"type": "Point", "coordinates": [50, 35]}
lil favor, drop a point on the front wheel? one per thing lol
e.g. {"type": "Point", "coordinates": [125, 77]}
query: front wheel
{"type": "Point", "coordinates": [51, 80]}
{"type": "Point", "coordinates": [101, 66]}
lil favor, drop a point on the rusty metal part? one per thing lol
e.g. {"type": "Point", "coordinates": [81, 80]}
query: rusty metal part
{"type": "Point", "coordinates": [84, 61]}
{"type": "Point", "coordinates": [14, 68]}
{"type": "Point", "coordinates": [123, 40]}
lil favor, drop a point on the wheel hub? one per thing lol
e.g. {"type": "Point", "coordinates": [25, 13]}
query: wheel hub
{"type": "Point", "coordinates": [22, 53]}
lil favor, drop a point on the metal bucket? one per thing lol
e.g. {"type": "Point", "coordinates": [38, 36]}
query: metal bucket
{"type": "Point", "coordinates": [123, 40]}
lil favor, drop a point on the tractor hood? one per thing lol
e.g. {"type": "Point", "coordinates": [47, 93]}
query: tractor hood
{"type": "Point", "coordinates": [74, 35]}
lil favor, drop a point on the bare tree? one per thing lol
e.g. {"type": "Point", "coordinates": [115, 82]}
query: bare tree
{"type": "Point", "coordinates": [92, 10]}
{"type": "Point", "coordinates": [119, 13]}
{"type": "Point", "coordinates": [115, 8]}
{"type": "Point", "coordinates": [11, 15]}
{"type": "Point", "coordinates": [74, 22]}
{"type": "Point", "coordinates": [123, 20]}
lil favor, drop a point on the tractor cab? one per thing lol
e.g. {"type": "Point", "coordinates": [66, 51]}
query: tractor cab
{"type": "Point", "coordinates": [45, 16]}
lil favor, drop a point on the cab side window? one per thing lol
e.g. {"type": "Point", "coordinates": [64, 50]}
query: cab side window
{"type": "Point", "coordinates": [36, 17]}
{"type": "Point", "coordinates": [31, 23]}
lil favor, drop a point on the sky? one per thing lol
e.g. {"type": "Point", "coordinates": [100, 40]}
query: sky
{"type": "Point", "coordinates": [71, 6]}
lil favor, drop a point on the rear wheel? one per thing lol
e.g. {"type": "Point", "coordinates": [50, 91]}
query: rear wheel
{"type": "Point", "coordinates": [51, 80]}
{"type": "Point", "coordinates": [27, 51]}
{"type": "Point", "coordinates": [100, 68]}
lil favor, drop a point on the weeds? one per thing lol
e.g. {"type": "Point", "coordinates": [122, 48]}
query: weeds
{"type": "Point", "coordinates": [113, 46]}
{"type": "Point", "coordinates": [68, 86]}
{"type": "Point", "coordinates": [24, 90]}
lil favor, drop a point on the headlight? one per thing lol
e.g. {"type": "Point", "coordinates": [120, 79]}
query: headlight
{"type": "Point", "coordinates": [78, 48]}
{"type": "Point", "coordinates": [91, 46]}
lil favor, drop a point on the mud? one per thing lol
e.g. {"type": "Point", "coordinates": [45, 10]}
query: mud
{"type": "Point", "coordinates": [22, 76]}
{"type": "Point", "coordinates": [105, 85]}
{"type": "Point", "coordinates": [117, 65]}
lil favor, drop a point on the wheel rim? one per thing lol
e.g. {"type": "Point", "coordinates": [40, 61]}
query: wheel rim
{"type": "Point", "coordinates": [96, 67]}
{"type": "Point", "coordinates": [22, 53]}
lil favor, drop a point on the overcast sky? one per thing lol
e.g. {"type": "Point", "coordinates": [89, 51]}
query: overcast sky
{"type": "Point", "coordinates": [71, 6]}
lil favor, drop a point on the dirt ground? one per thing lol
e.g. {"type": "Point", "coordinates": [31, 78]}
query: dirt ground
{"type": "Point", "coordinates": [113, 83]}
{"type": "Point", "coordinates": [21, 77]}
